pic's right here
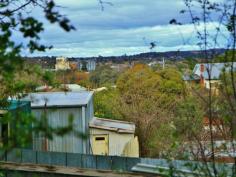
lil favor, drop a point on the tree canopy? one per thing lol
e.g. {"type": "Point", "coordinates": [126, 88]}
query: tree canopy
{"type": "Point", "coordinates": [148, 99]}
{"type": "Point", "coordinates": [16, 18]}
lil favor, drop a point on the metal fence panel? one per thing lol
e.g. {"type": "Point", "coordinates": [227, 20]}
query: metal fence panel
{"type": "Point", "coordinates": [150, 161]}
{"type": "Point", "coordinates": [28, 156]}
{"type": "Point", "coordinates": [104, 162]}
{"type": "Point", "coordinates": [89, 161]}
{"type": "Point", "coordinates": [14, 155]}
{"type": "Point", "coordinates": [74, 160]}
{"type": "Point", "coordinates": [115, 163]}
{"type": "Point", "coordinates": [58, 158]}
{"type": "Point", "coordinates": [118, 163]}
{"type": "Point", "coordinates": [44, 157]}
{"type": "Point", "coordinates": [3, 155]}
{"type": "Point", "coordinates": [130, 162]}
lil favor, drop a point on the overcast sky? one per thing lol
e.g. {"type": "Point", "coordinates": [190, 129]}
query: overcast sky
{"type": "Point", "coordinates": [125, 27]}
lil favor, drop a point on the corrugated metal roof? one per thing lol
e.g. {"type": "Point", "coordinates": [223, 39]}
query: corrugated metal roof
{"type": "Point", "coordinates": [214, 68]}
{"type": "Point", "coordinates": [192, 77]}
{"type": "Point", "coordinates": [180, 168]}
{"type": "Point", "coordinates": [167, 170]}
{"type": "Point", "coordinates": [113, 125]}
{"type": "Point", "coordinates": [59, 99]}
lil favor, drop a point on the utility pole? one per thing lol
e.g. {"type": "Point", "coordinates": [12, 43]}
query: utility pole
{"type": "Point", "coordinates": [163, 63]}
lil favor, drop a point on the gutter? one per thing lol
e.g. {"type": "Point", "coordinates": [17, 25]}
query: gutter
{"type": "Point", "coordinates": [112, 129]}
{"type": "Point", "coordinates": [58, 106]}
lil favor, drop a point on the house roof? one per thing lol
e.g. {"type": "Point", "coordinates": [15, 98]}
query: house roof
{"type": "Point", "coordinates": [59, 99]}
{"type": "Point", "coordinates": [215, 69]}
{"type": "Point", "coordinates": [112, 125]}
{"type": "Point", "coordinates": [192, 77]}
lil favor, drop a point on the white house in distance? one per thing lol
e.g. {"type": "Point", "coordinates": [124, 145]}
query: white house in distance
{"type": "Point", "coordinates": [113, 137]}
{"type": "Point", "coordinates": [209, 73]}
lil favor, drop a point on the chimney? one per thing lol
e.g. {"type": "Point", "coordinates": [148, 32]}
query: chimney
{"type": "Point", "coordinates": [202, 68]}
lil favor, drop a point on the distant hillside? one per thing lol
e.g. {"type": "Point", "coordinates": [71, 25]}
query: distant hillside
{"type": "Point", "coordinates": [172, 55]}
{"type": "Point", "coordinates": [49, 62]}
{"type": "Point", "coordinates": [179, 54]}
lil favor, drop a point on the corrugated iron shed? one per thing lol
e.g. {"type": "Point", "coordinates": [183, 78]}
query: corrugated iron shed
{"type": "Point", "coordinates": [58, 107]}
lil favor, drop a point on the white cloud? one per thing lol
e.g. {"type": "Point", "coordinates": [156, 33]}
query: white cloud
{"type": "Point", "coordinates": [114, 51]}
{"type": "Point", "coordinates": [127, 41]}
{"type": "Point", "coordinates": [122, 28]}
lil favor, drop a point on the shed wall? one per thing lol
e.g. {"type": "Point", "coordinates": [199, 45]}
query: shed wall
{"type": "Point", "coordinates": [116, 140]}
{"type": "Point", "coordinates": [89, 115]}
{"type": "Point", "coordinates": [59, 118]}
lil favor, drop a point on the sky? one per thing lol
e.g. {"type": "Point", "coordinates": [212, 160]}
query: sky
{"type": "Point", "coordinates": [122, 27]}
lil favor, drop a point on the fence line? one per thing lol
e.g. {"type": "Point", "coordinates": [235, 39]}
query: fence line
{"type": "Point", "coordinates": [114, 163]}
{"type": "Point", "coordinates": [99, 162]}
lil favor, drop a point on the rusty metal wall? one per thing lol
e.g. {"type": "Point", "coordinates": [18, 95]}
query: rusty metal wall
{"type": "Point", "coordinates": [57, 118]}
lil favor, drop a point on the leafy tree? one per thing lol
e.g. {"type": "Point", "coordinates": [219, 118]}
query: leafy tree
{"type": "Point", "coordinates": [148, 99]}
{"type": "Point", "coordinates": [14, 17]}
{"type": "Point", "coordinates": [103, 75]}
{"type": "Point", "coordinates": [219, 106]}
{"type": "Point", "coordinates": [189, 116]}
{"type": "Point", "coordinates": [191, 63]}
{"type": "Point", "coordinates": [225, 104]}
{"type": "Point", "coordinates": [17, 78]}
{"type": "Point", "coordinates": [71, 76]}
{"type": "Point", "coordinates": [105, 104]}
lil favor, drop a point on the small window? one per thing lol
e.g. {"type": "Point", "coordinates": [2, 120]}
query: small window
{"type": "Point", "coordinates": [100, 138]}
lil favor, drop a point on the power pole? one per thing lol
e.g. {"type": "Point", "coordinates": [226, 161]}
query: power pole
{"type": "Point", "coordinates": [163, 63]}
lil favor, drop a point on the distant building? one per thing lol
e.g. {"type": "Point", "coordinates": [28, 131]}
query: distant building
{"type": "Point", "coordinates": [62, 63]}
{"type": "Point", "coordinates": [91, 65]}
{"type": "Point", "coordinates": [120, 67]}
{"type": "Point", "coordinates": [113, 137]}
{"type": "Point", "coordinates": [208, 74]}
{"type": "Point", "coordinates": [87, 65]}
{"type": "Point", "coordinates": [58, 107]}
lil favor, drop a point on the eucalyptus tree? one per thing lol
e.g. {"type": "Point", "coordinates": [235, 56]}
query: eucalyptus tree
{"type": "Point", "coordinates": [215, 27]}
{"type": "Point", "coordinates": [16, 77]}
